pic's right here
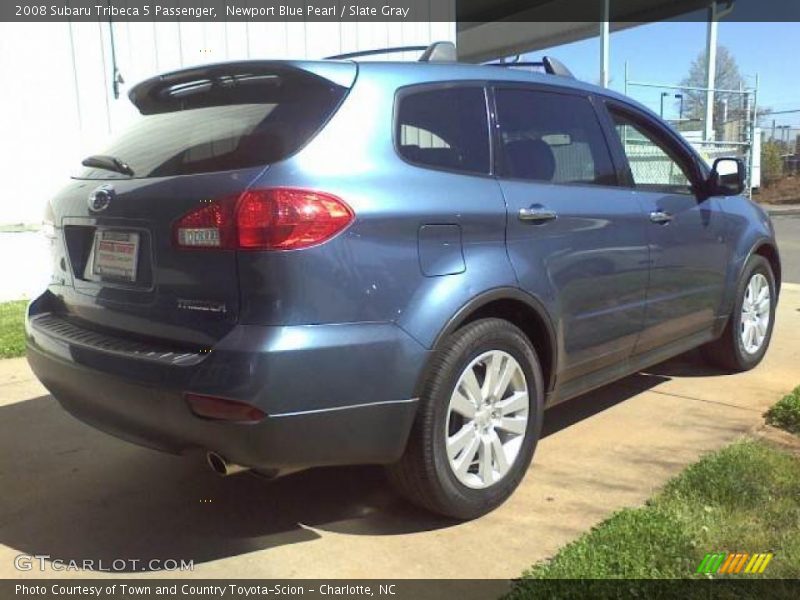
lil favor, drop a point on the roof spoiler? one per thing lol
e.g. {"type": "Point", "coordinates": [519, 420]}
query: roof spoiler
{"type": "Point", "coordinates": [158, 93]}
{"type": "Point", "coordinates": [436, 52]}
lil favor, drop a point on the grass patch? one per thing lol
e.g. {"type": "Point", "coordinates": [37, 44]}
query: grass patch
{"type": "Point", "coordinates": [786, 412]}
{"type": "Point", "coordinates": [18, 227]}
{"type": "Point", "coordinates": [743, 498]}
{"type": "Point", "coordinates": [12, 328]}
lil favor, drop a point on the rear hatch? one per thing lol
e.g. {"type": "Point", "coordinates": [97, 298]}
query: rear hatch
{"type": "Point", "coordinates": [203, 134]}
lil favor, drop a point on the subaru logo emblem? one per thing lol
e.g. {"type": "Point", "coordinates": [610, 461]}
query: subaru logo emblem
{"type": "Point", "coordinates": [100, 198]}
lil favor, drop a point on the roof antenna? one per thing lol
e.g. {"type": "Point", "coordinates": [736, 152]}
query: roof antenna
{"type": "Point", "coordinates": [440, 52]}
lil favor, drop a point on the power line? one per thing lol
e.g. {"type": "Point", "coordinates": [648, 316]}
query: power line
{"type": "Point", "coordinates": [783, 112]}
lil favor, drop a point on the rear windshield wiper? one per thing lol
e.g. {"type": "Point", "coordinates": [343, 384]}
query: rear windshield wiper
{"type": "Point", "coordinates": [109, 163]}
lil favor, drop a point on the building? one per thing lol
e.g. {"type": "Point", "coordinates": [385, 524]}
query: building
{"type": "Point", "coordinates": [65, 84]}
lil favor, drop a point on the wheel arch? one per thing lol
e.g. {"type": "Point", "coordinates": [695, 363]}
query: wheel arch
{"type": "Point", "coordinates": [519, 308]}
{"type": "Point", "coordinates": [762, 246]}
{"type": "Point", "coordinates": [769, 251]}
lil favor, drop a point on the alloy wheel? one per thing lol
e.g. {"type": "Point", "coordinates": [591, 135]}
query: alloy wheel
{"type": "Point", "coordinates": [756, 313]}
{"type": "Point", "coordinates": [487, 418]}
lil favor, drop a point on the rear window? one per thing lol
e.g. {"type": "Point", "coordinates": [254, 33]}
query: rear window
{"type": "Point", "coordinates": [445, 129]}
{"type": "Point", "coordinates": [552, 137]}
{"type": "Point", "coordinates": [223, 123]}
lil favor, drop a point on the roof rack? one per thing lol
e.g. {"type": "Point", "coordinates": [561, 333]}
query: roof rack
{"type": "Point", "coordinates": [436, 52]}
{"type": "Point", "coordinates": [446, 52]}
{"type": "Point", "coordinates": [551, 66]}
{"type": "Point", "coordinates": [440, 52]}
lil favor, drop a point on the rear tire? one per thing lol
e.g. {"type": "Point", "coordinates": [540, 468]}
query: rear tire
{"type": "Point", "coordinates": [463, 409]}
{"type": "Point", "coordinates": [746, 338]}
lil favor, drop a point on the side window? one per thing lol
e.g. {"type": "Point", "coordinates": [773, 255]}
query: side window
{"type": "Point", "coordinates": [654, 166]}
{"type": "Point", "coordinates": [547, 136]}
{"type": "Point", "coordinates": [445, 129]}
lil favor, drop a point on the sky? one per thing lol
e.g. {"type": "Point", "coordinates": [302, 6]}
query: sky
{"type": "Point", "coordinates": [663, 52]}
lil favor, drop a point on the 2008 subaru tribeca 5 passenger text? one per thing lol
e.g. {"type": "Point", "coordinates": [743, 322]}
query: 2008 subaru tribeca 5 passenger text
{"type": "Point", "coordinates": [292, 264]}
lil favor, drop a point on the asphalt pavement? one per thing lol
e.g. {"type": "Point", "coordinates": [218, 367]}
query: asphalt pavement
{"type": "Point", "coordinates": [787, 228]}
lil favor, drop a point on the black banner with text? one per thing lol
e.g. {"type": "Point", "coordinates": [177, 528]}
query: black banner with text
{"type": "Point", "coordinates": [461, 11]}
{"type": "Point", "coordinates": [398, 589]}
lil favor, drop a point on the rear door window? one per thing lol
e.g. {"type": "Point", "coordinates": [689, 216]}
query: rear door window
{"type": "Point", "coordinates": [223, 123]}
{"type": "Point", "coordinates": [444, 128]}
{"type": "Point", "coordinates": [552, 137]}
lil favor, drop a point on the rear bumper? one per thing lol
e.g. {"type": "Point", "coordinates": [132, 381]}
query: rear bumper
{"type": "Point", "coordinates": [333, 394]}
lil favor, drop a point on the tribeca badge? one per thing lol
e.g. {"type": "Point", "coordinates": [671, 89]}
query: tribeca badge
{"type": "Point", "coordinates": [735, 562]}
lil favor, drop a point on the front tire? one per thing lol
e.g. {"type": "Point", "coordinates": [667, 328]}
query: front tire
{"type": "Point", "coordinates": [746, 338]}
{"type": "Point", "coordinates": [479, 420]}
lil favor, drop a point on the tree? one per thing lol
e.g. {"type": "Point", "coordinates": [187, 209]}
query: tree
{"type": "Point", "coordinates": [727, 77]}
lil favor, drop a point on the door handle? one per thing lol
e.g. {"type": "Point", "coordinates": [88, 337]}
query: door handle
{"type": "Point", "coordinates": [536, 214]}
{"type": "Point", "coordinates": [660, 217]}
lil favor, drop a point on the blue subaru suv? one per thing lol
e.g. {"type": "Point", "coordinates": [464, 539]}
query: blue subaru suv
{"type": "Point", "coordinates": [290, 264]}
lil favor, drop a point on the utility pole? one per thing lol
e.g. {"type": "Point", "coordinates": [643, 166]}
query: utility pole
{"type": "Point", "coordinates": [711, 70]}
{"type": "Point", "coordinates": [714, 15]}
{"type": "Point", "coordinates": [626, 78]}
{"type": "Point", "coordinates": [604, 35]}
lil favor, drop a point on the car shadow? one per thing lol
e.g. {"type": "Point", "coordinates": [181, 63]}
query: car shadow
{"type": "Point", "coordinates": [75, 494]}
{"type": "Point", "coordinates": [587, 405]}
{"type": "Point", "coordinates": [690, 364]}
{"type": "Point", "coordinates": [561, 416]}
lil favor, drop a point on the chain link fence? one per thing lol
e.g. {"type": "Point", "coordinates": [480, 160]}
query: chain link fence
{"type": "Point", "coordinates": [737, 137]}
{"type": "Point", "coordinates": [650, 165]}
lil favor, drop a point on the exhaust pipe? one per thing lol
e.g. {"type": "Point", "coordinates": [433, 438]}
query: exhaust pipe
{"type": "Point", "coordinates": [220, 465]}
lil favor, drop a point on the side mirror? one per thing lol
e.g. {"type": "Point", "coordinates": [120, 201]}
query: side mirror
{"type": "Point", "coordinates": [726, 177]}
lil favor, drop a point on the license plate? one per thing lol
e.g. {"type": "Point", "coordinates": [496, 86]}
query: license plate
{"type": "Point", "coordinates": [116, 255]}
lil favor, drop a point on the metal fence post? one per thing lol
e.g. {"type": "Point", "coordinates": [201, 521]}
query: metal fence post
{"type": "Point", "coordinates": [753, 130]}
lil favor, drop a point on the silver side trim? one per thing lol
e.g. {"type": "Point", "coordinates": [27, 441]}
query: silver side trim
{"type": "Point", "coordinates": [348, 407]}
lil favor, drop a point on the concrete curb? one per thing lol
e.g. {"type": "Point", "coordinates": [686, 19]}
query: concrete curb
{"type": "Point", "coordinates": [781, 211]}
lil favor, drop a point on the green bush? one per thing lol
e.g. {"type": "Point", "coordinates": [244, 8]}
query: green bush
{"type": "Point", "coordinates": [771, 162]}
{"type": "Point", "coordinates": [786, 412]}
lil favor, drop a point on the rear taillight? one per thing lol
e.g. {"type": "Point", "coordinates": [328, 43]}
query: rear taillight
{"type": "Point", "coordinates": [268, 219]}
{"type": "Point", "coordinates": [223, 409]}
